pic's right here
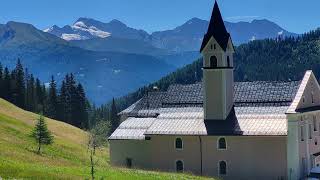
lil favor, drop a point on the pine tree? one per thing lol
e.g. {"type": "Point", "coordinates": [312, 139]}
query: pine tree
{"type": "Point", "coordinates": [52, 100]}
{"type": "Point", "coordinates": [82, 114]}
{"type": "Point", "coordinates": [39, 95]}
{"type": "Point", "coordinates": [63, 105]}
{"type": "Point", "coordinates": [41, 133]}
{"type": "Point", "coordinates": [30, 98]}
{"type": "Point", "coordinates": [19, 85]}
{"type": "Point", "coordinates": [7, 85]}
{"type": "Point", "coordinates": [1, 82]}
{"type": "Point", "coordinates": [114, 118]}
{"type": "Point", "coordinates": [74, 102]}
{"type": "Point", "coordinates": [45, 95]}
{"type": "Point", "coordinates": [67, 99]}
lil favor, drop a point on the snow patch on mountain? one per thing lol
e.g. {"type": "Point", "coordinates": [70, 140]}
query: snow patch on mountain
{"type": "Point", "coordinates": [81, 26]}
{"type": "Point", "coordinates": [48, 29]}
{"type": "Point", "coordinates": [116, 71]}
{"type": "Point", "coordinates": [280, 33]}
{"type": "Point", "coordinates": [78, 31]}
{"type": "Point", "coordinates": [73, 37]}
{"type": "Point", "coordinates": [252, 38]}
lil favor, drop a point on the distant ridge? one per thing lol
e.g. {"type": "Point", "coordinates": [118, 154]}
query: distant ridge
{"type": "Point", "coordinates": [187, 37]}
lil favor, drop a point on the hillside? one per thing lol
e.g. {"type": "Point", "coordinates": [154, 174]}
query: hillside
{"type": "Point", "coordinates": [67, 158]}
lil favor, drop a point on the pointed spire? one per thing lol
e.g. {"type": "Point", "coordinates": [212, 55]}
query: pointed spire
{"type": "Point", "coordinates": [216, 29]}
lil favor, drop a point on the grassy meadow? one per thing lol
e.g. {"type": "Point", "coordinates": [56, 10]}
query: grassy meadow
{"type": "Point", "coordinates": [67, 158]}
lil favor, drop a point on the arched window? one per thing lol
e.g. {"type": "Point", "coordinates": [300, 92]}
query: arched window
{"type": "Point", "coordinates": [179, 166]}
{"type": "Point", "coordinates": [179, 143]}
{"type": "Point", "coordinates": [213, 62]}
{"type": "Point", "coordinates": [222, 144]}
{"type": "Point", "coordinates": [228, 61]}
{"type": "Point", "coordinates": [129, 162]}
{"type": "Point", "coordinates": [222, 168]}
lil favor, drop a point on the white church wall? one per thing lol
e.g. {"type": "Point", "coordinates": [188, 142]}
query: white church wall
{"type": "Point", "coordinates": [247, 157]}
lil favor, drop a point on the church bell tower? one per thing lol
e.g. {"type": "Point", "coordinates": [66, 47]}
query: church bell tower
{"type": "Point", "coordinates": [217, 51]}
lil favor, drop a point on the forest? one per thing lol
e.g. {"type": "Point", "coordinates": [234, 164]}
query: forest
{"type": "Point", "coordinates": [67, 103]}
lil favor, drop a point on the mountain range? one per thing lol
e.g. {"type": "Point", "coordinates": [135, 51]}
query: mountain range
{"type": "Point", "coordinates": [186, 37]}
{"type": "Point", "coordinates": [112, 59]}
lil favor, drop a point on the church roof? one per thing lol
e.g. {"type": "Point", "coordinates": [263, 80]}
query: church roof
{"type": "Point", "coordinates": [216, 29]}
{"type": "Point", "coordinates": [259, 110]}
{"type": "Point", "coordinates": [269, 121]}
{"type": "Point", "coordinates": [258, 93]}
{"type": "Point", "coordinates": [243, 121]}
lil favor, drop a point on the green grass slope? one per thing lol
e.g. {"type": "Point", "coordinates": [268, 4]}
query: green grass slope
{"type": "Point", "coordinates": [67, 158]}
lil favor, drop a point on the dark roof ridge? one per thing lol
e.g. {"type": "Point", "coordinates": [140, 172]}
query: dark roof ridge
{"type": "Point", "coordinates": [260, 81]}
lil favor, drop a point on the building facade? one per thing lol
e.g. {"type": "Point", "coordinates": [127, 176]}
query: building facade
{"type": "Point", "coordinates": [222, 128]}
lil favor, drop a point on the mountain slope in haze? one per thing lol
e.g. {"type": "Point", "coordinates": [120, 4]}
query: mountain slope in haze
{"type": "Point", "coordinates": [120, 45]}
{"type": "Point", "coordinates": [67, 158]}
{"type": "Point", "coordinates": [188, 37]}
{"type": "Point", "coordinates": [103, 74]}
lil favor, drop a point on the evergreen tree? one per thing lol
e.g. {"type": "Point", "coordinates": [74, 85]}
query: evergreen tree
{"type": "Point", "coordinates": [68, 96]}
{"type": "Point", "coordinates": [52, 100]}
{"type": "Point", "coordinates": [39, 95]}
{"type": "Point", "coordinates": [114, 118]}
{"type": "Point", "coordinates": [45, 97]}
{"type": "Point", "coordinates": [7, 85]}
{"type": "Point", "coordinates": [82, 114]}
{"type": "Point", "coordinates": [1, 82]}
{"type": "Point", "coordinates": [30, 99]}
{"type": "Point", "coordinates": [63, 104]}
{"type": "Point", "coordinates": [41, 134]}
{"type": "Point", "coordinates": [19, 85]}
{"type": "Point", "coordinates": [92, 115]}
{"type": "Point", "coordinates": [74, 102]}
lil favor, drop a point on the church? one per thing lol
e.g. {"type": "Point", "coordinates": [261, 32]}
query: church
{"type": "Point", "coordinates": [221, 128]}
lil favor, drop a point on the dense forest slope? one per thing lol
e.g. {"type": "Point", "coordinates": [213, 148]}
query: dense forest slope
{"type": "Point", "coordinates": [66, 158]}
{"type": "Point", "coordinates": [278, 59]}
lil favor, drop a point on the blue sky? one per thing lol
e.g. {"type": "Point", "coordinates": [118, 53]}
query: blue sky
{"type": "Point", "coordinates": [152, 15]}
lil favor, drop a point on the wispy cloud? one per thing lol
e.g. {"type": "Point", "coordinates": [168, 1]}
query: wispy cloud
{"type": "Point", "coordinates": [241, 18]}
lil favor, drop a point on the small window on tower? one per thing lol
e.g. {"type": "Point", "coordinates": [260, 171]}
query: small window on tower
{"type": "Point", "coordinates": [312, 98]}
{"type": "Point", "coordinates": [211, 47]}
{"type": "Point", "coordinates": [215, 47]}
{"type": "Point", "coordinates": [228, 61]}
{"type": "Point", "coordinates": [213, 62]}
